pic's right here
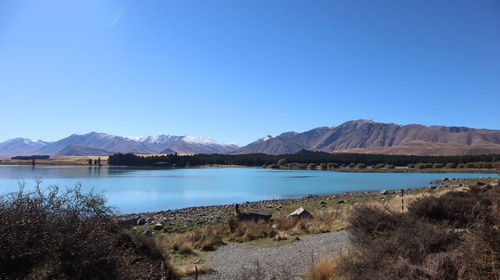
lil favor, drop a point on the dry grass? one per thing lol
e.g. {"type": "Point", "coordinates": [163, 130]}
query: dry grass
{"type": "Point", "coordinates": [206, 238]}
{"type": "Point", "coordinates": [324, 270]}
{"type": "Point", "coordinates": [446, 235]}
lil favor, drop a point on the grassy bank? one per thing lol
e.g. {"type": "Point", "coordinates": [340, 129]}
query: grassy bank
{"type": "Point", "coordinates": [192, 245]}
{"type": "Point", "coordinates": [452, 235]}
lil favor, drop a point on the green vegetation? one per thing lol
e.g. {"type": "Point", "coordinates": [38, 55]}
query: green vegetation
{"type": "Point", "coordinates": [361, 165]}
{"type": "Point", "coordinates": [304, 158]}
{"type": "Point", "coordinates": [30, 157]}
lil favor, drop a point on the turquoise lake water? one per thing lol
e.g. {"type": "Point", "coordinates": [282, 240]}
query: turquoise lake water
{"type": "Point", "coordinates": [133, 190]}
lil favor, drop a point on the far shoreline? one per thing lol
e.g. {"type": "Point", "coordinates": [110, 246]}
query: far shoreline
{"type": "Point", "coordinates": [82, 161]}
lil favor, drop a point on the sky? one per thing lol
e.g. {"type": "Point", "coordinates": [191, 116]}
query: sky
{"type": "Point", "coordinates": [235, 71]}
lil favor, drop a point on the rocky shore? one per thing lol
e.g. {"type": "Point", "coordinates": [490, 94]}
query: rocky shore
{"type": "Point", "coordinates": [180, 220]}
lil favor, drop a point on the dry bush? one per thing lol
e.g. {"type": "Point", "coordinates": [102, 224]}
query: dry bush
{"type": "Point", "coordinates": [249, 230]}
{"type": "Point", "coordinates": [69, 235]}
{"type": "Point", "coordinates": [428, 241]}
{"type": "Point", "coordinates": [322, 221]}
{"type": "Point", "coordinates": [206, 238]}
{"type": "Point", "coordinates": [324, 270]}
{"type": "Point", "coordinates": [455, 208]}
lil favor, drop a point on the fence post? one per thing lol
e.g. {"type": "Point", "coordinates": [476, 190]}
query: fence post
{"type": "Point", "coordinates": [402, 201]}
{"type": "Point", "coordinates": [195, 272]}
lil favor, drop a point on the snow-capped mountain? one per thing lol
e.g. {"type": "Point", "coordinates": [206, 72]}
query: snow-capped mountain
{"type": "Point", "coordinates": [185, 144]}
{"type": "Point", "coordinates": [21, 146]}
{"type": "Point", "coordinates": [103, 143]}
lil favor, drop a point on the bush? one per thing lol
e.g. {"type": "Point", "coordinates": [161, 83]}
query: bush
{"type": "Point", "coordinates": [351, 165]}
{"type": "Point", "coordinates": [389, 166]}
{"type": "Point", "coordinates": [379, 165]}
{"type": "Point", "coordinates": [411, 165]}
{"type": "Point", "coordinates": [455, 208]}
{"type": "Point", "coordinates": [311, 166]}
{"type": "Point", "coordinates": [274, 166]}
{"type": "Point", "coordinates": [70, 235]}
{"type": "Point", "coordinates": [361, 165]}
{"type": "Point", "coordinates": [451, 165]}
{"type": "Point", "coordinates": [427, 242]}
{"type": "Point", "coordinates": [437, 165]}
{"type": "Point", "coordinates": [322, 166]}
{"type": "Point", "coordinates": [420, 166]}
{"type": "Point", "coordinates": [332, 165]}
{"type": "Point", "coordinates": [282, 162]}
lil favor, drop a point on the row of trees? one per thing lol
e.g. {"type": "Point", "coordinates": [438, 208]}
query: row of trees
{"type": "Point", "coordinates": [302, 157]}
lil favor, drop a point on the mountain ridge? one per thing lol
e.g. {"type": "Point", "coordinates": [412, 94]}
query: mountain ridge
{"type": "Point", "coordinates": [370, 136]}
{"type": "Point", "coordinates": [356, 136]}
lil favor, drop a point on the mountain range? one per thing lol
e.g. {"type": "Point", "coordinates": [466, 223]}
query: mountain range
{"type": "Point", "coordinates": [358, 136]}
{"type": "Point", "coordinates": [367, 136]}
{"type": "Point", "coordinates": [95, 143]}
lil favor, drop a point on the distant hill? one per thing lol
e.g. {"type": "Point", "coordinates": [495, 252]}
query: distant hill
{"type": "Point", "coordinates": [101, 141]}
{"type": "Point", "coordinates": [366, 136]}
{"type": "Point", "coordinates": [358, 136]}
{"type": "Point", "coordinates": [165, 144]}
{"type": "Point", "coordinates": [79, 150]}
{"type": "Point", "coordinates": [95, 143]}
{"type": "Point", "coordinates": [21, 146]}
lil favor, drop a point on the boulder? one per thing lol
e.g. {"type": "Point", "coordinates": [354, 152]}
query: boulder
{"type": "Point", "coordinates": [384, 192]}
{"type": "Point", "coordinates": [141, 221]}
{"type": "Point", "coordinates": [253, 215]}
{"type": "Point", "coordinates": [147, 233]}
{"type": "Point", "coordinates": [300, 213]}
{"type": "Point", "coordinates": [158, 227]}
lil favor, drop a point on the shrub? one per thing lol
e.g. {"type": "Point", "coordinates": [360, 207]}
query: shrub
{"type": "Point", "coordinates": [274, 166]}
{"type": "Point", "coordinates": [379, 165]}
{"type": "Point", "coordinates": [460, 165]}
{"type": "Point", "coordinates": [420, 166]}
{"type": "Point", "coordinates": [332, 165]}
{"type": "Point", "coordinates": [311, 166]}
{"type": "Point", "coordinates": [456, 208]}
{"type": "Point", "coordinates": [389, 166]}
{"type": "Point", "coordinates": [351, 165]}
{"type": "Point", "coordinates": [411, 165]}
{"type": "Point", "coordinates": [70, 235]}
{"type": "Point", "coordinates": [282, 162]}
{"type": "Point", "coordinates": [322, 166]}
{"type": "Point", "coordinates": [451, 165]}
{"type": "Point", "coordinates": [437, 165]}
{"type": "Point", "coordinates": [427, 242]}
{"type": "Point", "coordinates": [361, 165]}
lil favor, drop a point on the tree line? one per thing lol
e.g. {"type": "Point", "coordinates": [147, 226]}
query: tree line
{"type": "Point", "coordinates": [302, 157]}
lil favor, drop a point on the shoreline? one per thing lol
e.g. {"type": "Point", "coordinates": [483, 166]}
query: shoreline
{"type": "Point", "coordinates": [185, 219]}
{"type": "Point", "coordinates": [398, 169]}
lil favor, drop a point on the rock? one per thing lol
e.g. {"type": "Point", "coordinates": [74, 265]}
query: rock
{"type": "Point", "coordinates": [480, 184]}
{"type": "Point", "coordinates": [340, 202]}
{"type": "Point", "coordinates": [444, 179]}
{"type": "Point", "coordinates": [253, 215]}
{"type": "Point", "coordinates": [147, 233]}
{"type": "Point", "coordinates": [300, 213]}
{"type": "Point", "coordinates": [141, 221]}
{"type": "Point", "coordinates": [322, 203]}
{"type": "Point", "coordinates": [384, 192]}
{"type": "Point", "coordinates": [158, 227]}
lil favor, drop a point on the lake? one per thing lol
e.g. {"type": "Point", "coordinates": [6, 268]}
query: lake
{"type": "Point", "coordinates": [133, 190]}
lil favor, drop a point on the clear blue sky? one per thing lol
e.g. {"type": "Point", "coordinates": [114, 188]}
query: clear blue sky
{"type": "Point", "coordinates": [238, 70]}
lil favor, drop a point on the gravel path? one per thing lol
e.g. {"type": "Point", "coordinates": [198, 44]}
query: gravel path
{"type": "Point", "coordinates": [282, 262]}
